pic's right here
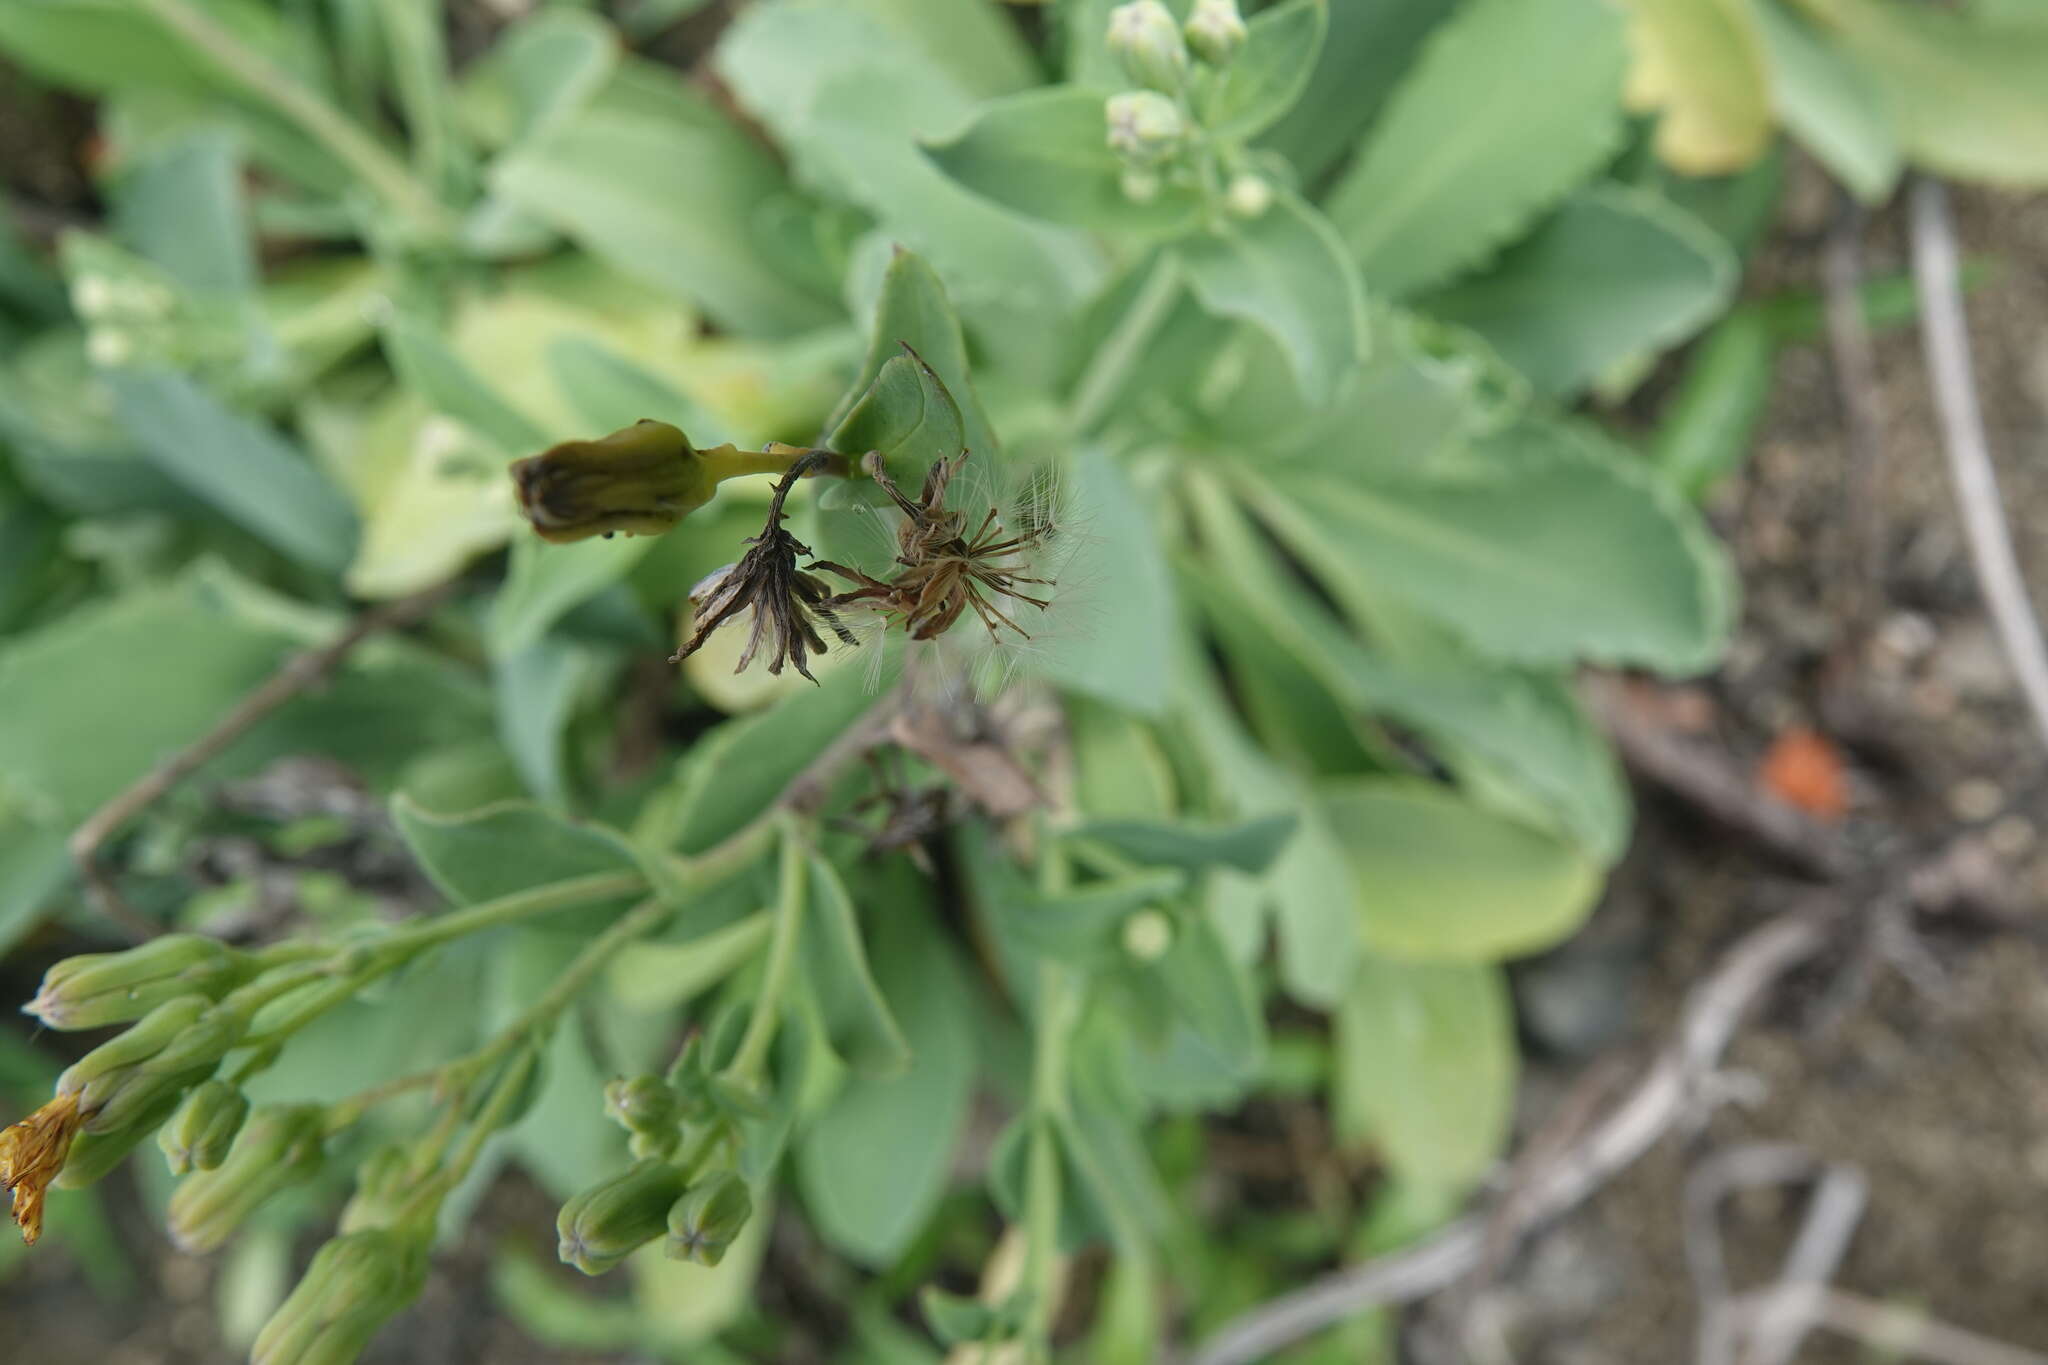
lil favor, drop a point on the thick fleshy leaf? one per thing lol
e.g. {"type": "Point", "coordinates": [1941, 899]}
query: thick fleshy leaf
{"type": "Point", "coordinates": [1287, 273]}
{"type": "Point", "coordinates": [1443, 880]}
{"type": "Point", "coordinates": [1563, 550]}
{"type": "Point", "coordinates": [1967, 97]}
{"type": "Point", "coordinates": [1512, 103]}
{"type": "Point", "coordinates": [875, 1163]}
{"type": "Point", "coordinates": [1612, 274]}
{"type": "Point", "coordinates": [506, 848]}
{"type": "Point", "coordinates": [1425, 1068]}
{"type": "Point", "coordinates": [1832, 106]}
{"type": "Point", "coordinates": [237, 464]}
{"type": "Point", "coordinates": [1268, 74]}
{"type": "Point", "coordinates": [858, 1022]}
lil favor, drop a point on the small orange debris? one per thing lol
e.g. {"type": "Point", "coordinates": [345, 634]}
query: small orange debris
{"type": "Point", "coordinates": [1804, 770]}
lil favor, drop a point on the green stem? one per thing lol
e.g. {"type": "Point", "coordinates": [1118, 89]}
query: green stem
{"type": "Point", "coordinates": [1058, 1007]}
{"type": "Point", "coordinates": [751, 1059]}
{"type": "Point", "coordinates": [318, 119]}
{"type": "Point", "coordinates": [1110, 367]}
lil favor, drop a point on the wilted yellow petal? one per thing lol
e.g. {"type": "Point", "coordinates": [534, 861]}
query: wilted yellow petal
{"type": "Point", "coordinates": [1701, 62]}
{"type": "Point", "coordinates": [32, 1152]}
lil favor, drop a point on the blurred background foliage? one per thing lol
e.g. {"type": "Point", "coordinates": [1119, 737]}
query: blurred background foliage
{"type": "Point", "coordinates": [304, 276]}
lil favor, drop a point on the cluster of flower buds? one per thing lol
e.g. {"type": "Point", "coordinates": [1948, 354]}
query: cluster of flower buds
{"type": "Point", "coordinates": [98, 989]}
{"type": "Point", "coordinates": [1151, 129]}
{"type": "Point", "coordinates": [682, 1129]}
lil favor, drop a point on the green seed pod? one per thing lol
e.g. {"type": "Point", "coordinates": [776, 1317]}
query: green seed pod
{"type": "Point", "coordinates": [640, 480]}
{"type": "Point", "coordinates": [280, 1146]}
{"type": "Point", "coordinates": [164, 1053]}
{"type": "Point", "coordinates": [356, 1284]}
{"type": "Point", "coordinates": [1148, 44]}
{"type": "Point", "coordinates": [611, 1220]}
{"type": "Point", "coordinates": [704, 1222]}
{"type": "Point", "coordinates": [1144, 129]}
{"type": "Point", "coordinates": [98, 989]}
{"type": "Point", "coordinates": [1215, 30]}
{"type": "Point", "coordinates": [203, 1128]}
{"type": "Point", "coordinates": [648, 1108]}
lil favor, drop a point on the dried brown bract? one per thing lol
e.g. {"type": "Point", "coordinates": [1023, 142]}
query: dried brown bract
{"type": "Point", "coordinates": [945, 571]}
{"type": "Point", "coordinates": [783, 597]}
{"type": "Point", "coordinates": [32, 1153]}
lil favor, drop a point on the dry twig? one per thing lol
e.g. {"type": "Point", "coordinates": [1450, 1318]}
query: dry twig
{"type": "Point", "coordinates": [1862, 400]}
{"type": "Point", "coordinates": [298, 673]}
{"type": "Point", "coordinates": [1945, 338]}
{"type": "Point", "coordinates": [1903, 1332]}
{"type": "Point", "coordinates": [1666, 1094]}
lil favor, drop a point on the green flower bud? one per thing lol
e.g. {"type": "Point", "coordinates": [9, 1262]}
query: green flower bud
{"type": "Point", "coordinates": [1249, 196]}
{"type": "Point", "coordinates": [203, 1128]}
{"type": "Point", "coordinates": [648, 1108]}
{"type": "Point", "coordinates": [1140, 186]}
{"type": "Point", "coordinates": [95, 1154]}
{"type": "Point", "coordinates": [1148, 935]}
{"type": "Point", "coordinates": [704, 1222]}
{"type": "Point", "coordinates": [1215, 30]}
{"type": "Point", "coordinates": [112, 988]}
{"type": "Point", "coordinates": [615, 1218]}
{"type": "Point", "coordinates": [280, 1146]}
{"type": "Point", "coordinates": [1145, 129]}
{"type": "Point", "coordinates": [385, 1184]}
{"type": "Point", "coordinates": [163, 1054]}
{"type": "Point", "coordinates": [641, 480]}
{"type": "Point", "coordinates": [1146, 41]}
{"type": "Point", "coordinates": [356, 1284]}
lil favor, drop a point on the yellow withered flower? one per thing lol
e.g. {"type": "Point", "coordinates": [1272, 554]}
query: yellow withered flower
{"type": "Point", "coordinates": [32, 1153]}
{"type": "Point", "coordinates": [640, 480]}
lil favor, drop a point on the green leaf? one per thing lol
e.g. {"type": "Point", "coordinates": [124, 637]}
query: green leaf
{"type": "Point", "coordinates": [669, 193]}
{"type": "Point", "coordinates": [34, 866]}
{"type": "Point", "coordinates": [112, 45]}
{"type": "Point", "coordinates": [182, 207]}
{"type": "Point", "coordinates": [1512, 103]}
{"type": "Point", "coordinates": [1613, 273]}
{"type": "Point", "coordinates": [1365, 53]}
{"type": "Point", "coordinates": [1701, 62]}
{"type": "Point", "coordinates": [1213, 996]}
{"type": "Point", "coordinates": [1249, 846]}
{"type": "Point", "coordinates": [1709, 423]}
{"type": "Point", "coordinates": [240, 466]}
{"type": "Point", "coordinates": [954, 1319]}
{"type": "Point", "coordinates": [1287, 273]}
{"type": "Point", "coordinates": [974, 41]}
{"type": "Point", "coordinates": [1564, 550]}
{"type": "Point", "coordinates": [908, 416]}
{"type": "Point", "coordinates": [810, 70]}
{"type": "Point", "coordinates": [432, 369]}
{"type": "Point", "coordinates": [506, 848]}
{"type": "Point", "coordinates": [1270, 71]}
{"type": "Point", "coordinates": [1045, 153]}
{"type": "Point", "coordinates": [1441, 880]}
{"type": "Point", "coordinates": [610, 391]}
{"type": "Point", "coordinates": [539, 72]}
{"type": "Point", "coordinates": [858, 1022]}
{"type": "Point", "coordinates": [546, 582]}
{"type": "Point", "coordinates": [873, 1166]}
{"type": "Point", "coordinates": [736, 773]}
{"type": "Point", "coordinates": [1831, 105]}
{"type": "Point", "coordinates": [913, 310]}
{"type": "Point", "coordinates": [1967, 97]}
{"type": "Point", "coordinates": [534, 691]}
{"type": "Point", "coordinates": [1425, 1069]}
{"type": "Point", "coordinates": [1109, 634]}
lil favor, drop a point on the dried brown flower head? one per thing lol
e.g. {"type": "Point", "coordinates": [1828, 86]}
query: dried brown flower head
{"type": "Point", "coordinates": [784, 598]}
{"type": "Point", "coordinates": [945, 572]}
{"type": "Point", "coordinates": [32, 1153]}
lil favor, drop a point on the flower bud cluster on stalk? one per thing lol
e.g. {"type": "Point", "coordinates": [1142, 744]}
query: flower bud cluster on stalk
{"type": "Point", "coordinates": [1160, 131]}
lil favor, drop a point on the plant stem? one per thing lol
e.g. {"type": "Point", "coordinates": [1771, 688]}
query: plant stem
{"type": "Point", "coordinates": [1117, 356]}
{"type": "Point", "coordinates": [318, 119]}
{"type": "Point", "coordinates": [1058, 1007]}
{"type": "Point", "coordinates": [752, 1056]}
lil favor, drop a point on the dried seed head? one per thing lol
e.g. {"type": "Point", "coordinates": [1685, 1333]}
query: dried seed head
{"type": "Point", "coordinates": [784, 599]}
